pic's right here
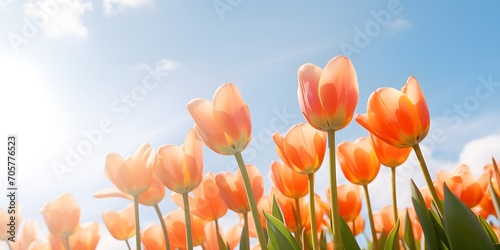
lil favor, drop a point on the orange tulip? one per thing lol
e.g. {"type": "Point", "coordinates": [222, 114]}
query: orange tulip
{"type": "Point", "coordinates": [426, 194]}
{"type": "Point", "coordinates": [62, 216]}
{"type": "Point", "coordinates": [328, 97]}
{"type": "Point", "coordinates": [181, 168]}
{"type": "Point", "coordinates": [288, 207]}
{"type": "Point", "coordinates": [387, 154]}
{"type": "Point", "coordinates": [176, 228]}
{"type": "Point", "coordinates": [462, 184]}
{"type": "Point", "coordinates": [86, 238]}
{"type": "Point", "coordinates": [319, 213]}
{"type": "Point", "coordinates": [224, 124]}
{"type": "Point", "coordinates": [152, 238]}
{"type": "Point", "coordinates": [264, 204]}
{"type": "Point", "coordinates": [485, 207]}
{"type": "Point", "coordinates": [120, 224]}
{"type": "Point", "coordinates": [385, 221]}
{"type": "Point", "coordinates": [232, 189]}
{"type": "Point", "coordinates": [231, 237]}
{"type": "Point", "coordinates": [206, 201]}
{"type": "Point", "coordinates": [400, 118]}
{"type": "Point", "coordinates": [302, 148]}
{"type": "Point", "coordinates": [349, 200]}
{"type": "Point", "coordinates": [29, 234]}
{"type": "Point", "coordinates": [290, 183]}
{"type": "Point", "coordinates": [152, 196]}
{"type": "Point", "coordinates": [357, 225]}
{"type": "Point", "coordinates": [358, 161]}
{"type": "Point", "coordinates": [132, 175]}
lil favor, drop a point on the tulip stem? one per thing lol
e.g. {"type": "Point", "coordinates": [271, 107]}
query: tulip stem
{"type": "Point", "coordinates": [245, 229]}
{"type": "Point", "coordinates": [219, 237]}
{"type": "Point", "coordinates": [128, 245]}
{"type": "Point", "coordinates": [428, 179]}
{"type": "Point", "coordinates": [298, 219]}
{"type": "Point", "coordinates": [187, 217]}
{"type": "Point", "coordinates": [66, 243]}
{"type": "Point", "coordinates": [314, 234]}
{"type": "Point", "coordinates": [370, 216]}
{"type": "Point", "coordinates": [251, 201]}
{"type": "Point", "coordinates": [137, 226]}
{"type": "Point", "coordinates": [333, 191]}
{"type": "Point", "coordinates": [163, 227]}
{"type": "Point", "coordinates": [394, 201]}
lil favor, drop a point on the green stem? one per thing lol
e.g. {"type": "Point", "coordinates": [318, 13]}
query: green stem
{"type": "Point", "coordinates": [219, 237]}
{"type": "Point", "coordinates": [298, 219]}
{"type": "Point", "coordinates": [370, 216]}
{"type": "Point", "coordinates": [394, 201]}
{"type": "Point", "coordinates": [66, 243]}
{"type": "Point", "coordinates": [128, 245]}
{"type": "Point", "coordinates": [314, 234]}
{"type": "Point", "coordinates": [137, 226]}
{"type": "Point", "coordinates": [251, 201]}
{"type": "Point", "coordinates": [333, 191]}
{"type": "Point", "coordinates": [187, 216]}
{"type": "Point", "coordinates": [163, 227]}
{"type": "Point", "coordinates": [245, 228]}
{"type": "Point", "coordinates": [428, 179]}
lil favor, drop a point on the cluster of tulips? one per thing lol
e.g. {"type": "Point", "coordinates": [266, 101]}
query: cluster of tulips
{"type": "Point", "coordinates": [450, 212]}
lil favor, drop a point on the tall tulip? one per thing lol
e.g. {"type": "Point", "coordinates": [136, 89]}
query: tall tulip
{"type": "Point", "coordinates": [401, 119]}
{"type": "Point", "coordinates": [152, 238]}
{"type": "Point", "coordinates": [224, 125]}
{"type": "Point", "coordinates": [176, 228]}
{"type": "Point", "coordinates": [327, 99]}
{"type": "Point", "coordinates": [349, 198]}
{"type": "Point", "coordinates": [62, 216]}
{"type": "Point", "coordinates": [289, 182]}
{"type": "Point", "coordinates": [86, 238]}
{"type": "Point", "coordinates": [120, 224]}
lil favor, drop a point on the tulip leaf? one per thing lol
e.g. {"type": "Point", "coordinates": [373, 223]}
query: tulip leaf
{"type": "Point", "coordinates": [322, 241]}
{"type": "Point", "coordinates": [279, 236]}
{"type": "Point", "coordinates": [392, 238]}
{"type": "Point", "coordinates": [244, 241]}
{"type": "Point", "coordinates": [382, 239]}
{"type": "Point", "coordinates": [424, 217]}
{"type": "Point", "coordinates": [487, 228]}
{"type": "Point", "coordinates": [439, 230]}
{"type": "Point", "coordinates": [461, 226]}
{"type": "Point", "coordinates": [494, 197]}
{"type": "Point", "coordinates": [408, 233]}
{"type": "Point", "coordinates": [276, 210]}
{"type": "Point", "coordinates": [348, 238]}
{"type": "Point", "coordinates": [497, 246]}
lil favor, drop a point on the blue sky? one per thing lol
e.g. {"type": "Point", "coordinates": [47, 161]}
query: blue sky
{"type": "Point", "coordinates": [67, 66]}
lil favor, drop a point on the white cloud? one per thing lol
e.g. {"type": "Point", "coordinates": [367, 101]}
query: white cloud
{"type": "Point", "coordinates": [163, 67]}
{"type": "Point", "coordinates": [4, 5]}
{"type": "Point", "coordinates": [398, 24]}
{"type": "Point", "coordinates": [58, 18]}
{"type": "Point", "coordinates": [112, 7]}
{"type": "Point", "coordinates": [477, 153]}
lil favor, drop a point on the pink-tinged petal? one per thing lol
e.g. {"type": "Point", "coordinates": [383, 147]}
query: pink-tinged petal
{"type": "Point", "coordinates": [113, 192]}
{"type": "Point", "coordinates": [206, 127]}
{"type": "Point", "coordinates": [338, 89]}
{"type": "Point", "coordinates": [308, 96]}
{"type": "Point", "coordinates": [232, 115]}
{"type": "Point", "coordinates": [280, 150]}
{"type": "Point", "coordinates": [170, 167]}
{"type": "Point", "coordinates": [413, 91]}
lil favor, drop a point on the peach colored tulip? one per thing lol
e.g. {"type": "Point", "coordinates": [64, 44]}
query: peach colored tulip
{"type": "Point", "coordinates": [387, 154]}
{"type": "Point", "coordinates": [319, 213]}
{"type": "Point", "coordinates": [485, 208]}
{"type": "Point", "coordinates": [62, 216]}
{"type": "Point", "coordinates": [349, 200]}
{"type": "Point", "coordinates": [29, 234]}
{"type": "Point", "coordinates": [462, 184]}
{"type": "Point", "coordinates": [152, 238]}
{"type": "Point", "coordinates": [176, 228]}
{"type": "Point", "coordinates": [400, 118]}
{"type": "Point", "coordinates": [357, 225]}
{"type": "Point", "coordinates": [152, 196]}
{"type": "Point", "coordinates": [38, 245]}
{"type": "Point", "coordinates": [206, 201]}
{"type": "Point", "coordinates": [120, 224]}
{"type": "Point", "coordinates": [426, 194]}
{"type": "Point", "coordinates": [358, 161]}
{"type": "Point", "coordinates": [289, 182]}
{"type": "Point", "coordinates": [302, 148]}
{"type": "Point", "coordinates": [288, 207]}
{"type": "Point", "coordinates": [224, 124]}
{"type": "Point", "coordinates": [384, 220]}
{"type": "Point", "coordinates": [328, 97]}
{"type": "Point", "coordinates": [86, 238]}
{"type": "Point", "coordinates": [132, 175]}
{"type": "Point", "coordinates": [231, 237]}
{"type": "Point", "coordinates": [232, 189]}
{"type": "Point", "coordinates": [181, 168]}
{"type": "Point", "coordinates": [264, 204]}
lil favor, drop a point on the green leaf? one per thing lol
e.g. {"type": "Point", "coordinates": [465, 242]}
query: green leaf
{"type": "Point", "coordinates": [348, 238]}
{"type": "Point", "coordinates": [279, 236]}
{"type": "Point", "coordinates": [322, 241]}
{"type": "Point", "coordinates": [497, 246]}
{"type": "Point", "coordinates": [424, 217]}
{"type": "Point", "coordinates": [487, 228]}
{"type": "Point", "coordinates": [392, 239]}
{"type": "Point", "coordinates": [494, 197]}
{"type": "Point", "coordinates": [382, 239]}
{"type": "Point", "coordinates": [244, 241]}
{"type": "Point", "coordinates": [461, 226]}
{"type": "Point", "coordinates": [439, 230]}
{"type": "Point", "coordinates": [408, 234]}
{"type": "Point", "coordinates": [276, 210]}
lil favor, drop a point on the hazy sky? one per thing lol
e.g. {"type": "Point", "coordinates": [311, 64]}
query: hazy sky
{"type": "Point", "coordinates": [71, 70]}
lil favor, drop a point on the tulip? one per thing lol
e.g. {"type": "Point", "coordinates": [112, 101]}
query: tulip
{"type": "Point", "coordinates": [290, 183]}
{"type": "Point", "coordinates": [38, 245]}
{"type": "Point", "coordinates": [265, 204]}
{"type": "Point", "coordinates": [86, 238]}
{"type": "Point", "coordinates": [328, 97]}
{"type": "Point", "coordinates": [176, 228]}
{"type": "Point", "coordinates": [223, 124]}
{"type": "Point", "coordinates": [302, 148]}
{"type": "Point", "coordinates": [62, 216]}
{"type": "Point", "coordinates": [387, 222]}
{"type": "Point", "coordinates": [358, 161]}
{"type": "Point", "coordinates": [29, 234]}
{"type": "Point", "coordinates": [231, 237]}
{"type": "Point", "coordinates": [152, 238]}
{"type": "Point", "coordinates": [232, 189]}
{"type": "Point", "coordinates": [462, 184]}
{"type": "Point", "coordinates": [294, 211]}
{"type": "Point", "coordinates": [349, 200]}
{"type": "Point", "coordinates": [357, 225]}
{"type": "Point", "coordinates": [120, 224]}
